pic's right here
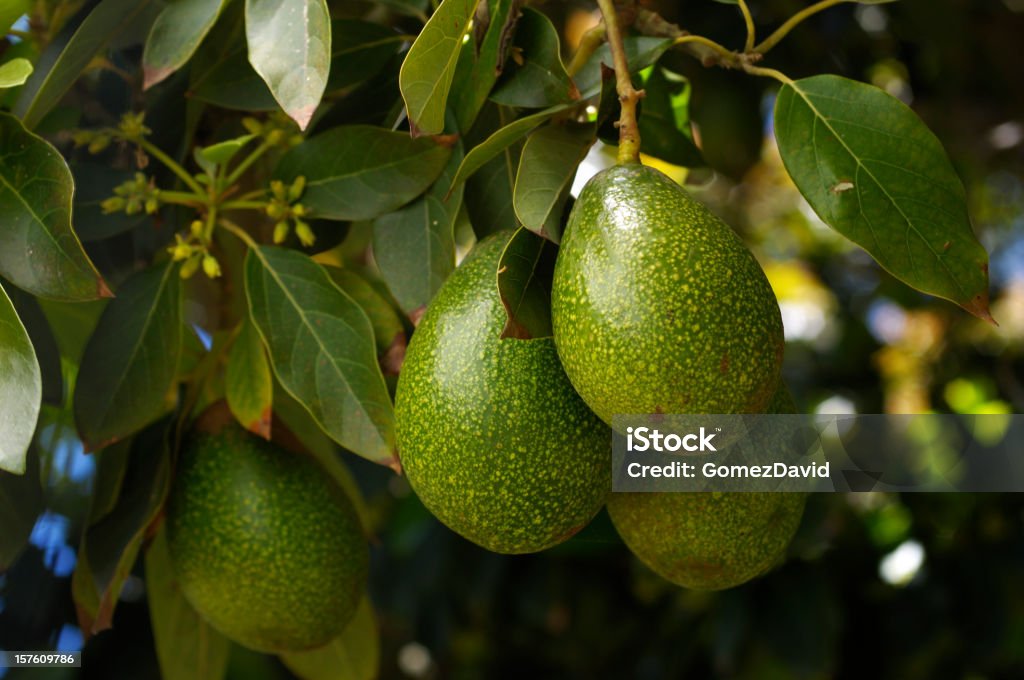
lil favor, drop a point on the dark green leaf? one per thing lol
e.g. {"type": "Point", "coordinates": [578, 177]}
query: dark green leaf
{"type": "Point", "coordinates": [39, 251]}
{"type": "Point", "coordinates": [871, 170]}
{"type": "Point", "coordinates": [525, 270]}
{"type": "Point", "coordinates": [415, 247]}
{"type": "Point", "coordinates": [540, 80]}
{"type": "Point", "coordinates": [353, 655]}
{"type": "Point", "coordinates": [131, 360]}
{"type": "Point", "coordinates": [249, 387]}
{"type": "Point", "coordinates": [111, 466]}
{"type": "Point", "coordinates": [58, 68]}
{"type": "Point", "coordinates": [110, 546]}
{"type": "Point", "coordinates": [501, 140]}
{"type": "Point", "coordinates": [480, 66]}
{"type": "Point", "coordinates": [360, 50]}
{"type": "Point", "coordinates": [44, 343]}
{"type": "Point", "coordinates": [387, 326]}
{"type": "Point", "coordinates": [290, 47]}
{"type": "Point", "coordinates": [357, 172]}
{"type": "Point", "coordinates": [322, 350]}
{"type": "Point", "coordinates": [220, 72]}
{"type": "Point", "coordinates": [187, 647]}
{"type": "Point", "coordinates": [665, 119]}
{"type": "Point", "coordinates": [94, 183]}
{"type": "Point", "coordinates": [15, 72]}
{"type": "Point", "coordinates": [641, 52]}
{"type": "Point", "coordinates": [547, 167]}
{"type": "Point", "coordinates": [21, 389]}
{"type": "Point", "coordinates": [175, 36]}
{"type": "Point", "coordinates": [429, 67]}
{"type": "Point", "coordinates": [21, 502]}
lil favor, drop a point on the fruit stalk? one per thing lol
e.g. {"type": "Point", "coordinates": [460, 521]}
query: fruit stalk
{"type": "Point", "coordinates": [629, 131]}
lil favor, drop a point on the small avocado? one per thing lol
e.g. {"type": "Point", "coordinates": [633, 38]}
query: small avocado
{"type": "Point", "coordinates": [491, 435]}
{"type": "Point", "coordinates": [710, 540]}
{"type": "Point", "coordinates": [265, 544]}
{"type": "Point", "coordinates": [657, 305]}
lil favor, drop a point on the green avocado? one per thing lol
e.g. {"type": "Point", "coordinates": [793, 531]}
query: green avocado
{"type": "Point", "coordinates": [264, 543]}
{"type": "Point", "coordinates": [491, 435]}
{"type": "Point", "coordinates": [710, 541]}
{"type": "Point", "coordinates": [657, 305]}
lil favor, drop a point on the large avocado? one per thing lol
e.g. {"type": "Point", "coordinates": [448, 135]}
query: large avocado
{"type": "Point", "coordinates": [490, 432]}
{"type": "Point", "coordinates": [657, 305]}
{"type": "Point", "coordinates": [264, 543]}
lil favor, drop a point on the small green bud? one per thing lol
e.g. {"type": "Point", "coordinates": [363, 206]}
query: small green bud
{"type": "Point", "coordinates": [252, 126]}
{"type": "Point", "coordinates": [280, 232]}
{"type": "Point", "coordinates": [299, 210]}
{"type": "Point", "coordinates": [196, 228]}
{"type": "Point", "coordinates": [112, 205]}
{"type": "Point", "coordinates": [132, 128]}
{"type": "Point", "coordinates": [275, 211]}
{"type": "Point", "coordinates": [152, 205]}
{"type": "Point", "coordinates": [296, 189]}
{"type": "Point", "coordinates": [99, 143]}
{"type": "Point", "coordinates": [278, 190]}
{"type": "Point", "coordinates": [190, 266]}
{"type": "Point", "coordinates": [295, 140]}
{"type": "Point", "coordinates": [275, 137]}
{"type": "Point", "coordinates": [210, 266]}
{"type": "Point", "coordinates": [82, 137]}
{"type": "Point", "coordinates": [133, 206]}
{"type": "Point", "coordinates": [305, 233]}
{"type": "Point", "coordinates": [180, 251]}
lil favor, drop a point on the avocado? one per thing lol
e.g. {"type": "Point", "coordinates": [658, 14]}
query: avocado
{"type": "Point", "coordinates": [710, 540]}
{"type": "Point", "coordinates": [657, 305]}
{"type": "Point", "coordinates": [265, 544]}
{"type": "Point", "coordinates": [491, 435]}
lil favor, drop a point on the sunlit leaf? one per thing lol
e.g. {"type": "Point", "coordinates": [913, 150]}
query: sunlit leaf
{"type": "Point", "coordinates": [43, 341]}
{"type": "Point", "coordinates": [175, 36]}
{"type": "Point", "coordinates": [547, 167]}
{"type": "Point", "coordinates": [15, 72]}
{"type": "Point", "coordinates": [21, 389]}
{"type": "Point", "coordinates": [223, 152]}
{"type": "Point", "coordinates": [875, 173]}
{"type": "Point", "coordinates": [353, 655]}
{"type": "Point", "coordinates": [524, 275]}
{"type": "Point", "coordinates": [248, 384]}
{"type": "Point", "coordinates": [479, 66]}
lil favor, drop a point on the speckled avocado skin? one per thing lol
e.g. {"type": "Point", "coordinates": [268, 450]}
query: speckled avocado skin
{"type": "Point", "coordinates": [710, 541]}
{"type": "Point", "coordinates": [265, 545]}
{"type": "Point", "coordinates": [491, 435]}
{"type": "Point", "coordinates": [657, 305]}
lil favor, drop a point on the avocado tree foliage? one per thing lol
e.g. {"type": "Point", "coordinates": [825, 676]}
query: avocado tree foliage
{"type": "Point", "coordinates": [256, 199]}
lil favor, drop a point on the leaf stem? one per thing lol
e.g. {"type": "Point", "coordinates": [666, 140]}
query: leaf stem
{"type": "Point", "coordinates": [589, 43]}
{"type": "Point", "coordinates": [721, 53]}
{"type": "Point", "coordinates": [243, 205]}
{"type": "Point", "coordinates": [173, 166]}
{"type": "Point", "coordinates": [182, 198]}
{"type": "Point", "coordinates": [238, 231]}
{"type": "Point", "coordinates": [629, 131]}
{"type": "Point", "coordinates": [246, 163]}
{"type": "Point", "coordinates": [768, 73]}
{"type": "Point", "coordinates": [751, 31]}
{"type": "Point", "coordinates": [791, 23]}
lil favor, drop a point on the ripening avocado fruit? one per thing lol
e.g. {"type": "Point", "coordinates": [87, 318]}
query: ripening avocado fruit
{"type": "Point", "coordinates": [265, 544]}
{"type": "Point", "coordinates": [491, 435]}
{"type": "Point", "coordinates": [657, 305]}
{"type": "Point", "coordinates": [710, 540]}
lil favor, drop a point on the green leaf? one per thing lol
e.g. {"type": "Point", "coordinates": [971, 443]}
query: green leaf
{"type": "Point", "coordinates": [387, 326]}
{"type": "Point", "coordinates": [429, 67]}
{"type": "Point", "coordinates": [43, 341]}
{"type": "Point", "coordinates": [525, 270]}
{"type": "Point", "coordinates": [357, 172]}
{"type": "Point", "coordinates": [187, 647]}
{"type": "Point", "coordinates": [480, 66]}
{"type": "Point", "coordinates": [39, 251]}
{"type": "Point", "coordinates": [220, 71]}
{"type": "Point", "coordinates": [248, 385]}
{"type": "Point", "coordinates": [665, 119]}
{"type": "Point", "coordinates": [501, 140]}
{"type": "Point", "coordinates": [55, 73]}
{"type": "Point", "coordinates": [541, 79]}
{"type": "Point", "coordinates": [21, 502]}
{"type": "Point", "coordinates": [290, 47]}
{"type": "Point", "coordinates": [641, 52]}
{"type": "Point", "coordinates": [94, 183]}
{"type": "Point", "coordinates": [547, 167]}
{"type": "Point", "coordinates": [223, 152]}
{"type": "Point", "coordinates": [15, 72]}
{"type": "Point", "coordinates": [131, 361]}
{"type": "Point", "coordinates": [175, 36]}
{"type": "Point", "coordinates": [353, 655]}
{"type": "Point", "coordinates": [21, 389]}
{"type": "Point", "coordinates": [110, 546]}
{"type": "Point", "coordinates": [360, 50]}
{"type": "Point", "coordinates": [872, 171]}
{"type": "Point", "coordinates": [415, 247]}
{"type": "Point", "coordinates": [322, 350]}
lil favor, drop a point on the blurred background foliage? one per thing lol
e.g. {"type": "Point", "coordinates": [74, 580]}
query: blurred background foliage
{"type": "Point", "coordinates": [908, 587]}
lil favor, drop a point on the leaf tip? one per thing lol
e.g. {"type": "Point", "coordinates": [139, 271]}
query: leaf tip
{"type": "Point", "coordinates": [978, 306]}
{"type": "Point", "coordinates": [102, 289]}
{"type": "Point", "coordinates": [393, 358]}
{"type": "Point", "coordinates": [302, 116]}
{"type": "Point", "coordinates": [417, 314]}
{"type": "Point", "coordinates": [447, 141]}
{"type": "Point", "coordinates": [152, 76]}
{"type": "Point", "coordinates": [393, 463]}
{"type": "Point", "coordinates": [261, 426]}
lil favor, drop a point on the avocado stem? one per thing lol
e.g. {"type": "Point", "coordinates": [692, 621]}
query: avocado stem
{"type": "Point", "coordinates": [629, 131]}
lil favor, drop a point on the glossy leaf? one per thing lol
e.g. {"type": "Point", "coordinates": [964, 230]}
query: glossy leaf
{"type": "Point", "coordinates": [290, 47]}
{"type": "Point", "coordinates": [187, 647]}
{"type": "Point", "coordinates": [21, 502]}
{"type": "Point", "coordinates": [353, 655]}
{"type": "Point", "coordinates": [249, 386]}
{"type": "Point", "coordinates": [525, 270]}
{"type": "Point", "coordinates": [665, 119]}
{"type": "Point", "coordinates": [21, 389]}
{"type": "Point", "coordinates": [39, 251]}
{"type": "Point", "coordinates": [175, 36]}
{"type": "Point", "coordinates": [540, 79]}
{"type": "Point", "coordinates": [415, 247]}
{"type": "Point", "coordinates": [111, 545]}
{"type": "Point", "coordinates": [641, 51]}
{"type": "Point", "coordinates": [55, 73]}
{"type": "Point", "coordinates": [131, 361]}
{"type": "Point", "coordinates": [357, 172]}
{"type": "Point", "coordinates": [15, 72]}
{"type": "Point", "coordinates": [387, 326]}
{"type": "Point", "coordinates": [871, 170]}
{"type": "Point", "coordinates": [43, 342]}
{"type": "Point", "coordinates": [359, 51]}
{"type": "Point", "coordinates": [322, 349]}
{"type": "Point", "coordinates": [547, 167]}
{"type": "Point", "coordinates": [479, 66]}
{"type": "Point", "coordinates": [429, 68]}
